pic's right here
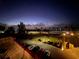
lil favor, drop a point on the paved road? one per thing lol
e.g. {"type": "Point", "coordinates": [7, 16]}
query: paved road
{"type": "Point", "coordinates": [15, 51]}
{"type": "Point", "coordinates": [56, 53]}
{"type": "Point", "coordinates": [72, 53]}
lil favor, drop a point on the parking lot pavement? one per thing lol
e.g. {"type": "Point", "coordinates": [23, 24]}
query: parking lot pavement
{"type": "Point", "coordinates": [13, 50]}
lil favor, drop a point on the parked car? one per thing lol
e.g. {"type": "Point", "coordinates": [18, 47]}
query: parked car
{"type": "Point", "coordinates": [31, 47]}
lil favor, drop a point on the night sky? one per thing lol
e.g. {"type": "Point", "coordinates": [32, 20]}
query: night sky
{"type": "Point", "coordinates": [39, 11]}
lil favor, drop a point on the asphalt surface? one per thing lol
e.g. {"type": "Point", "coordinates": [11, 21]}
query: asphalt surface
{"type": "Point", "coordinates": [56, 53]}
{"type": "Point", "coordinates": [14, 50]}
{"type": "Point", "coordinates": [72, 53]}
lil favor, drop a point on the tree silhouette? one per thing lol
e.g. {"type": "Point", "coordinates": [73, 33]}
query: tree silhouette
{"type": "Point", "coordinates": [2, 28]}
{"type": "Point", "coordinates": [21, 31]}
{"type": "Point", "coordinates": [21, 28]}
{"type": "Point", "coordinates": [10, 31]}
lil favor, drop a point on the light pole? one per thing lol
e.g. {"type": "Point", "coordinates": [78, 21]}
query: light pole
{"type": "Point", "coordinates": [63, 41]}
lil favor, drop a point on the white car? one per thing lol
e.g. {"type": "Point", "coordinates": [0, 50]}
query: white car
{"type": "Point", "coordinates": [48, 52]}
{"type": "Point", "coordinates": [31, 47]}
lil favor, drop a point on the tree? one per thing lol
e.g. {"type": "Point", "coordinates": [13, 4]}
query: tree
{"type": "Point", "coordinates": [2, 28]}
{"type": "Point", "coordinates": [21, 30]}
{"type": "Point", "coordinates": [10, 31]}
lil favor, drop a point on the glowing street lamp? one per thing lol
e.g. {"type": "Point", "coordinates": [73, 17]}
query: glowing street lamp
{"type": "Point", "coordinates": [72, 34]}
{"type": "Point", "coordinates": [64, 34]}
{"type": "Point", "coordinates": [62, 48]}
{"type": "Point", "coordinates": [67, 32]}
{"type": "Point", "coordinates": [63, 41]}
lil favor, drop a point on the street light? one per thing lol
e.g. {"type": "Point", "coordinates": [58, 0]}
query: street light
{"type": "Point", "coordinates": [64, 34]}
{"type": "Point", "coordinates": [72, 34]}
{"type": "Point", "coordinates": [62, 48]}
{"type": "Point", "coordinates": [67, 32]}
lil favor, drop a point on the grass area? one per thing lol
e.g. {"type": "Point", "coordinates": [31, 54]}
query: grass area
{"type": "Point", "coordinates": [33, 32]}
{"type": "Point", "coordinates": [46, 39]}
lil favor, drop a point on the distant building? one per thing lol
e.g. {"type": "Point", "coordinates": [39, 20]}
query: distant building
{"type": "Point", "coordinates": [56, 27]}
